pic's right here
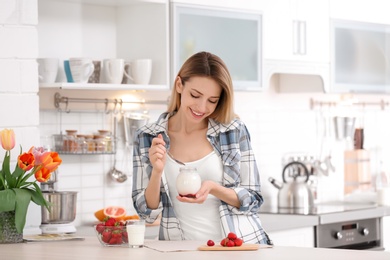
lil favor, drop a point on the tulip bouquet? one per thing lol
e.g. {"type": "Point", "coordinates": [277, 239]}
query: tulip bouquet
{"type": "Point", "coordinates": [16, 188]}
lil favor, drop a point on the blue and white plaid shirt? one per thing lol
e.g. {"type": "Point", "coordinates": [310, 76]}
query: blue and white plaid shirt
{"type": "Point", "coordinates": [232, 143]}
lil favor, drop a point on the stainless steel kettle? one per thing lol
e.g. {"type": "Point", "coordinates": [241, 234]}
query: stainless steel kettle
{"type": "Point", "coordinates": [294, 192]}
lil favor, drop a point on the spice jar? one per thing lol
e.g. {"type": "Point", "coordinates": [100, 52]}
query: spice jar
{"type": "Point", "coordinates": [188, 182]}
{"type": "Point", "coordinates": [100, 143]}
{"type": "Point", "coordinates": [70, 142]}
{"type": "Point", "coordinates": [91, 145]}
{"type": "Point", "coordinates": [108, 140]}
{"type": "Point", "coordinates": [81, 144]}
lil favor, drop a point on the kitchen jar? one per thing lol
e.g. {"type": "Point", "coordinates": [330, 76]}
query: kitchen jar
{"type": "Point", "coordinates": [107, 140]}
{"type": "Point", "coordinates": [81, 144]}
{"type": "Point", "coordinates": [100, 143]}
{"type": "Point", "coordinates": [70, 143]}
{"type": "Point", "coordinates": [188, 182]}
{"type": "Point", "coordinates": [90, 142]}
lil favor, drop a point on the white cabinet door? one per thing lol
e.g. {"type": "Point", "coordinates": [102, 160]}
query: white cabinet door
{"type": "Point", "coordinates": [301, 237]}
{"type": "Point", "coordinates": [296, 30]}
{"type": "Point", "coordinates": [386, 232]}
{"type": "Point", "coordinates": [373, 11]}
{"type": "Point", "coordinates": [106, 29]}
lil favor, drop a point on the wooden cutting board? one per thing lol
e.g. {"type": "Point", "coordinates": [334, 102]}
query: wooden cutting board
{"type": "Point", "coordinates": [243, 247]}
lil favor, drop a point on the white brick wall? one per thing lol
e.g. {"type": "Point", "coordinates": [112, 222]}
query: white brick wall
{"type": "Point", "coordinates": [19, 102]}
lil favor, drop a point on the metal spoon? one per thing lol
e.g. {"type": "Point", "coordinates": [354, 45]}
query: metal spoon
{"type": "Point", "coordinates": [173, 158]}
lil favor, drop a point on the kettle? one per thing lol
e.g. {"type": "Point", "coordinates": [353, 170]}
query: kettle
{"type": "Point", "coordinates": [294, 192]}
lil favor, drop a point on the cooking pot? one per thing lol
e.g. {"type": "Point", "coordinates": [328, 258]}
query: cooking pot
{"type": "Point", "coordinates": [294, 192]}
{"type": "Point", "coordinates": [62, 207]}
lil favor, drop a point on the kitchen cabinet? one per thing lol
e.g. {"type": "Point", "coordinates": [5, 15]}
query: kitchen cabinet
{"type": "Point", "coordinates": [233, 35]}
{"type": "Point", "coordinates": [386, 232]}
{"type": "Point", "coordinates": [296, 30]}
{"type": "Point", "coordinates": [296, 43]}
{"type": "Point", "coordinates": [372, 11]}
{"type": "Point", "coordinates": [360, 52]}
{"type": "Point", "coordinates": [300, 237]}
{"type": "Point", "coordinates": [131, 29]}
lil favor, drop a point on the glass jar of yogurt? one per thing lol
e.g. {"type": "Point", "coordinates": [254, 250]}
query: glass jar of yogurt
{"type": "Point", "coordinates": [188, 182]}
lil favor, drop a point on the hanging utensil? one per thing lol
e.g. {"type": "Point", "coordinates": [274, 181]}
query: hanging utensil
{"type": "Point", "coordinates": [114, 173]}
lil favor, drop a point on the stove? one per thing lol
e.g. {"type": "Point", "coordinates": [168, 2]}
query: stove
{"type": "Point", "coordinates": [340, 232]}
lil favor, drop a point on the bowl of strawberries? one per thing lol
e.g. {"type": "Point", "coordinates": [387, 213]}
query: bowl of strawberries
{"type": "Point", "coordinates": [112, 232]}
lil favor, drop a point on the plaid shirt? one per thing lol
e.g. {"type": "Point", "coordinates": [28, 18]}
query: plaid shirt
{"type": "Point", "coordinates": [232, 143]}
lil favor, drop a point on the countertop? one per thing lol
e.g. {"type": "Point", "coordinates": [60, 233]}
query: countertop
{"type": "Point", "coordinates": [272, 220]}
{"type": "Point", "coordinates": [90, 248]}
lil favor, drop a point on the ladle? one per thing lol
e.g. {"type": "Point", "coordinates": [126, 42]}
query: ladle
{"type": "Point", "coordinates": [115, 174]}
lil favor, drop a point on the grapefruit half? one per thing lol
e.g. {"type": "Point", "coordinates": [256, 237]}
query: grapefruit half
{"type": "Point", "coordinates": [116, 212]}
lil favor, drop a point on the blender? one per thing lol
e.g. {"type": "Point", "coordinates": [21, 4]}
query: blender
{"type": "Point", "coordinates": [62, 206]}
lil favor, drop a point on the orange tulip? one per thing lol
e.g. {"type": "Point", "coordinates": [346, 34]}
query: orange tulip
{"type": "Point", "coordinates": [48, 160]}
{"type": "Point", "coordinates": [55, 162]}
{"type": "Point", "coordinates": [7, 139]}
{"type": "Point", "coordinates": [42, 175]}
{"type": "Point", "coordinates": [26, 161]}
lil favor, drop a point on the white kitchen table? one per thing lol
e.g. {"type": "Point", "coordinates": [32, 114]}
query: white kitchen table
{"type": "Point", "coordinates": [90, 248]}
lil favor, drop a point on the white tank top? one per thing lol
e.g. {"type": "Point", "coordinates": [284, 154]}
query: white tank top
{"type": "Point", "coordinates": [198, 221]}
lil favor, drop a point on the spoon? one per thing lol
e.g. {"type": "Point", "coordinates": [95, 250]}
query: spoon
{"type": "Point", "coordinates": [173, 158]}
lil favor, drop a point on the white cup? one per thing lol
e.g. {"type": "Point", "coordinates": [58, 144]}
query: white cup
{"type": "Point", "coordinates": [81, 69]}
{"type": "Point", "coordinates": [136, 232]}
{"type": "Point", "coordinates": [383, 196]}
{"type": "Point", "coordinates": [140, 71]}
{"type": "Point", "coordinates": [47, 69]}
{"type": "Point", "coordinates": [113, 70]}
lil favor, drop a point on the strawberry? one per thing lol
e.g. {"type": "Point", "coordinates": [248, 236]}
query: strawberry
{"type": "Point", "coordinates": [113, 241]}
{"type": "Point", "coordinates": [230, 243]}
{"type": "Point", "coordinates": [237, 242]}
{"type": "Point", "coordinates": [210, 243]}
{"type": "Point", "coordinates": [125, 237]}
{"type": "Point", "coordinates": [110, 222]}
{"type": "Point", "coordinates": [119, 240]}
{"type": "Point", "coordinates": [232, 236]}
{"type": "Point", "coordinates": [106, 235]}
{"type": "Point", "coordinates": [224, 241]}
{"type": "Point", "coordinates": [100, 228]}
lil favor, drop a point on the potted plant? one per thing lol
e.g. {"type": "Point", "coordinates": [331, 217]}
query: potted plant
{"type": "Point", "coordinates": [16, 188]}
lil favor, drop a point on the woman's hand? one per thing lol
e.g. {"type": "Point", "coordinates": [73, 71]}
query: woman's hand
{"type": "Point", "coordinates": [157, 154]}
{"type": "Point", "coordinates": [209, 187]}
{"type": "Point", "coordinates": [201, 195]}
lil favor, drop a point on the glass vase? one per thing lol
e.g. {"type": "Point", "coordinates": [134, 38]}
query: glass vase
{"type": "Point", "coordinates": [8, 232]}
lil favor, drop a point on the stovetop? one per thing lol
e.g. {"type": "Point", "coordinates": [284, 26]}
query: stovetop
{"type": "Point", "coordinates": [319, 209]}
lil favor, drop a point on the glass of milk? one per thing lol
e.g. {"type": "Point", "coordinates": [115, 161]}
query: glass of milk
{"type": "Point", "coordinates": [135, 232]}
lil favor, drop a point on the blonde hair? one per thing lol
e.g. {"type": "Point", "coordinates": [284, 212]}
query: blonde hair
{"type": "Point", "coordinates": [205, 64]}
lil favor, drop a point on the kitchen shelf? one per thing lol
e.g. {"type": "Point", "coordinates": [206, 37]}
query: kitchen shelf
{"type": "Point", "coordinates": [101, 86]}
{"type": "Point", "coordinates": [381, 103]}
{"type": "Point", "coordinates": [115, 2]}
{"type": "Point", "coordinates": [81, 153]}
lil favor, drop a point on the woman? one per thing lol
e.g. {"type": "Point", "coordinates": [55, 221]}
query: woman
{"type": "Point", "coordinates": [201, 130]}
